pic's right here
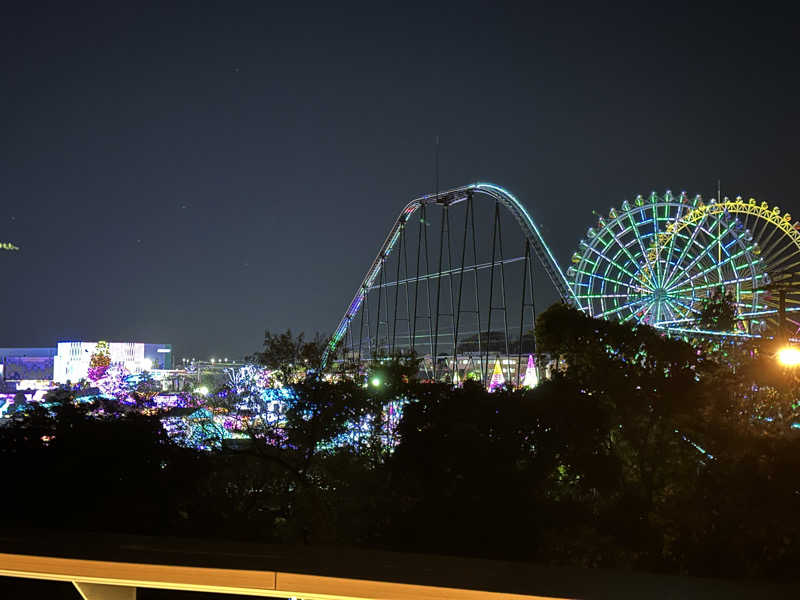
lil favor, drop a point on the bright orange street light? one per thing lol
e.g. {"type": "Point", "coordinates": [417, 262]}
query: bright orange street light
{"type": "Point", "coordinates": [789, 356]}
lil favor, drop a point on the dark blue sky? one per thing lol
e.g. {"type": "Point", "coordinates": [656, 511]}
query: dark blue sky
{"type": "Point", "coordinates": [195, 173]}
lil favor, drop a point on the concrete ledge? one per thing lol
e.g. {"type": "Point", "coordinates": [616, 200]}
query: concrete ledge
{"type": "Point", "coordinates": [337, 573]}
{"type": "Point", "coordinates": [227, 581]}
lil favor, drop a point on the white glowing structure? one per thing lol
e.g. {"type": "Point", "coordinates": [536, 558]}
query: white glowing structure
{"type": "Point", "coordinates": [71, 362]}
{"type": "Point", "coordinates": [531, 378]}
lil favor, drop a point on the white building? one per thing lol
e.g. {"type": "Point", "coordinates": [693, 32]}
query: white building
{"type": "Point", "coordinates": [71, 362]}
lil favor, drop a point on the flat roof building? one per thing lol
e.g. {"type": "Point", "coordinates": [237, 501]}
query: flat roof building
{"type": "Point", "coordinates": [69, 361]}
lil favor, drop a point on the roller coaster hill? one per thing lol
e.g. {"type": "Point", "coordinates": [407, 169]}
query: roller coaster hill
{"type": "Point", "coordinates": [456, 278]}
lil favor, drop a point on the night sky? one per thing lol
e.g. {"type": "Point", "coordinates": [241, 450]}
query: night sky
{"type": "Point", "coordinates": [194, 173]}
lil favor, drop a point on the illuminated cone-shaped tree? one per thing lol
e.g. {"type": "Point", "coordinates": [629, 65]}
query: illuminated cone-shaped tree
{"type": "Point", "coordinates": [99, 361]}
{"type": "Point", "coordinates": [531, 378]}
{"type": "Point", "coordinates": [497, 379]}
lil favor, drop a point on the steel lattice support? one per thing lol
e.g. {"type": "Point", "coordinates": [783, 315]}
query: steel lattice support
{"type": "Point", "coordinates": [459, 319]}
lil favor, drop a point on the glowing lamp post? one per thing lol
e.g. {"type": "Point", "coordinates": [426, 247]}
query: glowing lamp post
{"type": "Point", "coordinates": [788, 356]}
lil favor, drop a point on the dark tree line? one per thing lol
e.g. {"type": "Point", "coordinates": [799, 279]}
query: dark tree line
{"type": "Point", "coordinates": [641, 452]}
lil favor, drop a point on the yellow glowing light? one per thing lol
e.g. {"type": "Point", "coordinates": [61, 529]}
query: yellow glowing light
{"type": "Point", "coordinates": [789, 356]}
{"type": "Point", "coordinates": [202, 390]}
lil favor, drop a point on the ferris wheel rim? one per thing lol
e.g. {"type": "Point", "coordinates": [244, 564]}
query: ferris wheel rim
{"type": "Point", "coordinates": [620, 282]}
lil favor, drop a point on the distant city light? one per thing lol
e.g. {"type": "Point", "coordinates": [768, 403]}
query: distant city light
{"type": "Point", "coordinates": [789, 356]}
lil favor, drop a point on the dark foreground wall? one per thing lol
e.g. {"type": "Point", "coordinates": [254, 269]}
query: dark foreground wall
{"type": "Point", "coordinates": [474, 574]}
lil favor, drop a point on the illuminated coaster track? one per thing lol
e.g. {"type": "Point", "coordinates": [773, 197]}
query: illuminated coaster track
{"type": "Point", "coordinates": [455, 308]}
{"type": "Point", "coordinates": [8, 246]}
{"type": "Point", "coordinates": [639, 265]}
{"type": "Point", "coordinates": [656, 260]}
{"type": "Point", "coordinates": [778, 247]}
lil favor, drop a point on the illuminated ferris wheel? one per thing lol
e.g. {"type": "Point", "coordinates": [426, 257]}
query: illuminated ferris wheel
{"type": "Point", "coordinates": [637, 265]}
{"type": "Point", "coordinates": [778, 247]}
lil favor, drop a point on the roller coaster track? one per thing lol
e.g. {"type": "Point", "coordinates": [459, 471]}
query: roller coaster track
{"type": "Point", "coordinates": [449, 198]}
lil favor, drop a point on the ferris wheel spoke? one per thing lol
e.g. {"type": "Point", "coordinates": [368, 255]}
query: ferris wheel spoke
{"type": "Point", "coordinates": [635, 229]}
{"type": "Point", "coordinates": [672, 243]}
{"type": "Point", "coordinates": [767, 238]}
{"type": "Point", "coordinates": [669, 311]}
{"type": "Point", "coordinates": [657, 277]}
{"type": "Point", "coordinates": [780, 258]}
{"type": "Point", "coordinates": [607, 284]}
{"type": "Point", "coordinates": [714, 241]}
{"type": "Point", "coordinates": [608, 275]}
{"type": "Point", "coordinates": [688, 308]}
{"type": "Point", "coordinates": [712, 267]}
{"type": "Point", "coordinates": [648, 309]}
{"type": "Point", "coordinates": [768, 312]}
{"type": "Point", "coordinates": [622, 307]}
{"type": "Point", "coordinates": [708, 270]}
{"type": "Point", "coordinates": [681, 321]}
{"type": "Point", "coordinates": [779, 266]}
{"type": "Point", "coordinates": [685, 249]}
{"type": "Point", "coordinates": [593, 276]}
{"type": "Point", "coordinates": [715, 284]}
{"type": "Point", "coordinates": [621, 245]}
{"type": "Point", "coordinates": [678, 317]}
{"type": "Point", "coordinates": [598, 296]}
{"type": "Point", "coordinates": [678, 312]}
{"type": "Point", "coordinates": [633, 315]}
{"type": "Point", "coordinates": [612, 262]}
{"type": "Point", "coordinates": [653, 262]}
{"type": "Point", "coordinates": [706, 249]}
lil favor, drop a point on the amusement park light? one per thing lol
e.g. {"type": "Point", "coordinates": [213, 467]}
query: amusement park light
{"type": "Point", "coordinates": [376, 381]}
{"type": "Point", "coordinates": [202, 390]}
{"type": "Point", "coordinates": [147, 364]}
{"type": "Point", "coordinates": [789, 356]}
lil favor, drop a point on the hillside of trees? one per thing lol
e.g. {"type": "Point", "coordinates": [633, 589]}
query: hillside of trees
{"type": "Point", "coordinates": [642, 452]}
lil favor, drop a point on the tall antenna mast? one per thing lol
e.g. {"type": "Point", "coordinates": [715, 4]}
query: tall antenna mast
{"type": "Point", "coordinates": [719, 226]}
{"type": "Point", "coordinates": [436, 166]}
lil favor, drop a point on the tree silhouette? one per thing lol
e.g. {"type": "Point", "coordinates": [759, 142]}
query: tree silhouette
{"type": "Point", "coordinates": [718, 312]}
